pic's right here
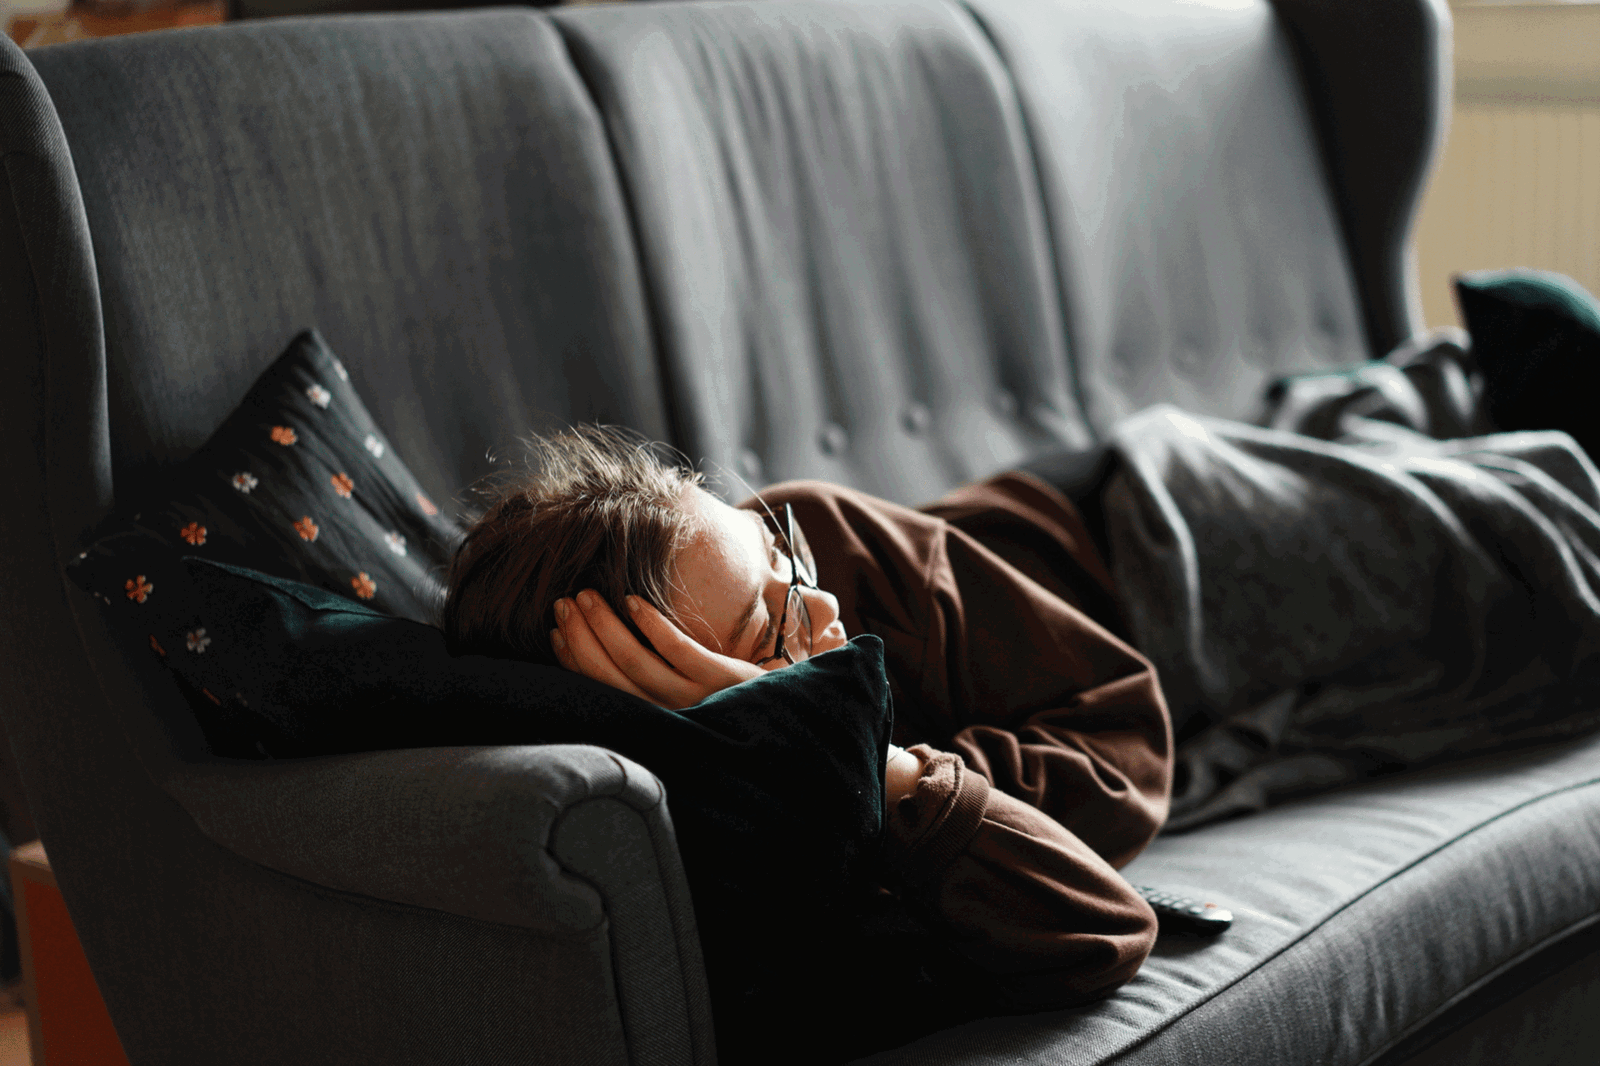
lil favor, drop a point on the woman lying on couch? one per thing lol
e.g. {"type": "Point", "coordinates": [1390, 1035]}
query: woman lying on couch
{"type": "Point", "coordinates": [1032, 751]}
{"type": "Point", "coordinates": [1371, 581]}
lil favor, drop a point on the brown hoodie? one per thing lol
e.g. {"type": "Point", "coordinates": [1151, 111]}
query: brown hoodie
{"type": "Point", "coordinates": [1045, 740]}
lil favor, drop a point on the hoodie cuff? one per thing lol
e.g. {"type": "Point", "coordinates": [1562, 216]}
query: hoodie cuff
{"type": "Point", "coordinates": [930, 827]}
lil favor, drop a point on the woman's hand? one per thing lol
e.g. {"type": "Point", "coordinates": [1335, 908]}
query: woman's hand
{"type": "Point", "coordinates": [591, 640]}
{"type": "Point", "coordinates": [901, 772]}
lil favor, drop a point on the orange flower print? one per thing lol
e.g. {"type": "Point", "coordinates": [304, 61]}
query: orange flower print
{"type": "Point", "coordinates": [342, 484]}
{"type": "Point", "coordinates": [155, 646]}
{"type": "Point", "coordinates": [306, 528]}
{"type": "Point", "coordinates": [426, 504]}
{"type": "Point", "coordinates": [138, 588]}
{"type": "Point", "coordinates": [283, 435]}
{"type": "Point", "coordinates": [365, 587]}
{"type": "Point", "coordinates": [194, 533]}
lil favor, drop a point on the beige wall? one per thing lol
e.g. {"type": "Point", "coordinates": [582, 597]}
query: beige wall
{"type": "Point", "coordinates": [1519, 182]}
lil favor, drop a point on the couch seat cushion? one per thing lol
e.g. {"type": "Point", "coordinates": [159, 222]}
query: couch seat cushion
{"type": "Point", "coordinates": [1359, 916]}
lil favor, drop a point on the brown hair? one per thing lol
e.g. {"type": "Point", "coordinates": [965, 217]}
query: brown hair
{"type": "Point", "coordinates": [597, 508]}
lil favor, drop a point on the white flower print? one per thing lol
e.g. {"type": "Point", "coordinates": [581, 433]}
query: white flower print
{"type": "Point", "coordinates": [319, 395]}
{"type": "Point", "coordinates": [396, 542]}
{"type": "Point", "coordinates": [338, 368]}
{"type": "Point", "coordinates": [374, 445]}
{"type": "Point", "coordinates": [244, 481]}
{"type": "Point", "coordinates": [198, 641]}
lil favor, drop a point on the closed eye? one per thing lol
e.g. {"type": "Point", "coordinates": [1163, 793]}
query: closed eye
{"type": "Point", "coordinates": [763, 648]}
{"type": "Point", "coordinates": [769, 638]}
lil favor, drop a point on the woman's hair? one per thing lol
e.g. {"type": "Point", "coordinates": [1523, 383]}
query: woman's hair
{"type": "Point", "coordinates": [597, 508]}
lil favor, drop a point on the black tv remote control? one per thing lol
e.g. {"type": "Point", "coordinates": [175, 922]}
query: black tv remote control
{"type": "Point", "coordinates": [1179, 914]}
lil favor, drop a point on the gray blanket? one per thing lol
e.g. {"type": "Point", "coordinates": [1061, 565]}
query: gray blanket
{"type": "Point", "coordinates": [1377, 600]}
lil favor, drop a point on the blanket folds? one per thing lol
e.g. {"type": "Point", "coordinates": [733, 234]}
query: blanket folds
{"type": "Point", "coordinates": [1340, 594]}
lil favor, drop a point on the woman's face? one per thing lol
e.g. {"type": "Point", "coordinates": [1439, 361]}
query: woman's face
{"type": "Point", "coordinates": [732, 579]}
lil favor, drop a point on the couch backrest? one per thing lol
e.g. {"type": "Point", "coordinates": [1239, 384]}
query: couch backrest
{"type": "Point", "coordinates": [897, 244]}
{"type": "Point", "coordinates": [906, 243]}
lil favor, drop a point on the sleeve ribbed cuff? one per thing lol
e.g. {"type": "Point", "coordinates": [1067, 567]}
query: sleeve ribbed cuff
{"type": "Point", "coordinates": [937, 821]}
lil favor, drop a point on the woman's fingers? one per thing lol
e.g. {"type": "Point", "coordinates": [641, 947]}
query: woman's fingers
{"type": "Point", "coordinates": [591, 640]}
{"type": "Point", "coordinates": [693, 660]}
{"type": "Point", "coordinates": [580, 651]}
{"type": "Point", "coordinates": [644, 668]}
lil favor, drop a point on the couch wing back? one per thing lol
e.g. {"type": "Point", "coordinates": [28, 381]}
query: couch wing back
{"type": "Point", "coordinates": [434, 194]}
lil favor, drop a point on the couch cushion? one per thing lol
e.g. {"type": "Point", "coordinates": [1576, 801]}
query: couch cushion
{"type": "Point", "coordinates": [1358, 917]}
{"type": "Point", "coordinates": [433, 192]}
{"type": "Point", "coordinates": [1191, 216]}
{"type": "Point", "coordinates": [842, 236]}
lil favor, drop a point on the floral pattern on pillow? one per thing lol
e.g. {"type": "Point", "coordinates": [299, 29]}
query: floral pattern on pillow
{"type": "Point", "coordinates": [298, 482]}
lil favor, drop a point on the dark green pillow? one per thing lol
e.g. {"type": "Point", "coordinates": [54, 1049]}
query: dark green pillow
{"type": "Point", "coordinates": [1536, 339]}
{"type": "Point", "coordinates": [775, 786]}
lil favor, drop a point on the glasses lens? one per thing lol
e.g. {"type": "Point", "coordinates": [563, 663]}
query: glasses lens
{"type": "Point", "coordinates": [797, 627]}
{"type": "Point", "coordinates": [794, 641]}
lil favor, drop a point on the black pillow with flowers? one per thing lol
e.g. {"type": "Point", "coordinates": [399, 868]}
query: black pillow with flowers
{"type": "Point", "coordinates": [300, 482]}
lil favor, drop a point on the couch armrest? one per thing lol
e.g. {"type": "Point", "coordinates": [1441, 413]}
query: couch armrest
{"type": "Point", "coordinates": [556, 839]}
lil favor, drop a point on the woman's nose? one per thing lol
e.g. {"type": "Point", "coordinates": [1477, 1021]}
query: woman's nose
{"type": "Point", "coordinates": [822, 606]}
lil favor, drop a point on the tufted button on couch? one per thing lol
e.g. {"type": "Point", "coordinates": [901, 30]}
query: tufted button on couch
{"type": "Point", "coordinates": [899, 244]}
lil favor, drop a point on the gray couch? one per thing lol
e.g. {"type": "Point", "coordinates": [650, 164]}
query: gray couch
{"type": "Point", "coordinates": [894, 244]}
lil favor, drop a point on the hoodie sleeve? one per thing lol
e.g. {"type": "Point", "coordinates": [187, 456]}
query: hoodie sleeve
{"type": "Point", "coordinates": [1016, 892]}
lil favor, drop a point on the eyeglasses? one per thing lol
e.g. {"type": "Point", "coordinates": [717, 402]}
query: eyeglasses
{"type": "Point", "coordinates": [794, 623]}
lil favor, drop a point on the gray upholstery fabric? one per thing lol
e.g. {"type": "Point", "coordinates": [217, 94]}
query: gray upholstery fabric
{"type": "Point", "coordinates": [666, 1009]}
{"type": "Point", "coordinates": [434, 194]}
{"type": "Point", "coordinates": [1357, 916]}
{"type": "Point", "coordinates": [355, 823]}
{"type": "Point", "coordinates": [562, 840]}
{"type": "Point", "coordinates": [1195, 233]}
{"type": "Point", "coordinates": [1550, 1021]}
{"type": "Point", "coordinates": [841, 235]}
